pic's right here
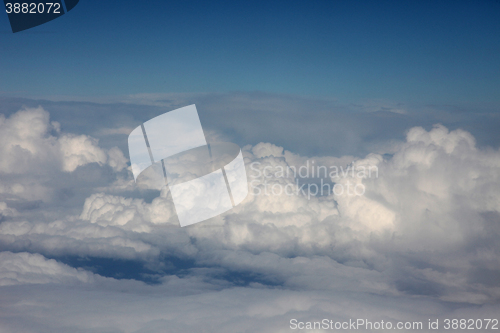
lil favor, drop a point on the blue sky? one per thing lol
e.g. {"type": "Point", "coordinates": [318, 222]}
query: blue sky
{"type": "Point", "coordinates": [410, 88]}
{"type": "Point", "coordinates": [444, 52]}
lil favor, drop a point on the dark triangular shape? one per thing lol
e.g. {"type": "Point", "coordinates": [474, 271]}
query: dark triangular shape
{"type": "Point", "coordinates": [70, 4]}
{"type": "Point", "coordinates": [34, 13]}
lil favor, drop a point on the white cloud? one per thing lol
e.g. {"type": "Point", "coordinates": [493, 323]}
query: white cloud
{"type": "Point", "coordinates": [6, 211]}
{"type": "Point", "coordinates": [126, 307]}
{"type": "Point", "coordinates": [431, 195]}
{"type": "Point", "coordinates": [73, 237]}
{"type": "Point", "coordinates": [423, 233]}
{"type": "Point", "coordinates": [79, 150]}
{"type": "Point", "coordinates": [133, 214]}
{"type": "Point", "coordinates": [25, 142]}
{"type": "Point", "coordinates": [26, 268]}
{"type": "Point", "coordinates": [34, 152]}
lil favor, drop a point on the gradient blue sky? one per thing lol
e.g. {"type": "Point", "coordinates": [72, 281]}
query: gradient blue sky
{"type": "Point", "coordinates": [411, 88]}
{"type": "Point", "coordinates": [443, 52]}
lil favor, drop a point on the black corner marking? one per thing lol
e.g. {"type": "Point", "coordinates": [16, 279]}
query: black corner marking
{"type": "Point", "coordinates": [25, 14]}
{"type": "Point", "coordinates": [70, 4]}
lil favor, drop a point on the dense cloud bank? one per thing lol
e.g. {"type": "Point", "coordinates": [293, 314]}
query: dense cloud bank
{"type": "Point", "coordinates": [419, 242]}
{"type": "Point", "coordinates": [305, 125]}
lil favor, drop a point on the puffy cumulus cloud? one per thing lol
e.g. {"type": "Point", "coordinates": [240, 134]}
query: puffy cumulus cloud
{"type": "Point", "coordinates": [73, 237]}
{"type": "Point", "coordinates": [25, 141]}
{"type": "Point", "coordinates": [417, 212]}
{"type": "Point", "coordinates": [29, 142]}
{"type": "Point", "coordinates": [360, 211]}
{"type": "Point", "coordinates": [34, 153]}
{"type": "Point", "coordinates": [27, 268]}
{"type": "Point", "coordinates": [131, 214]}
{"type": "Point", "coordinates": [80, 150]}
{"type": "Point", "coordinates": [440, 186]}
{"type": "Point", "coordinates": [437, 199]}
{"type": "Point", "coordinates": [415, 229]}
{"type": "Point", "coordinates": [116, 160]}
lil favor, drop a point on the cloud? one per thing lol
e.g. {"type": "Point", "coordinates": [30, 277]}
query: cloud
{"type": "Point", "coordinates": [127, 212]}
{"type": "Point", "coordinates": [6, 211]}
{"type": "Point", "coordinates": [307, 125]}
{"type": "Point", "coordinates": [126, 307]}
{"type": "Point", "coordinates": [29, 143]}
{"type": "Point", "coordinates": [418, 243]}
{"type": "Point", "coordinates": [35, 152]}
{"type": "Point", "coordinates": [60, 238]}
{"type": "Point", "coordinates": [26, 268]}
{"type": "Point", "coordinates": [80, 150]}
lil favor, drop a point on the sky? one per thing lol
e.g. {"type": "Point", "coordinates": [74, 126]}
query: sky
{"type": "Point", "coordinates": [425, 51]}
{"type": "Point", "coordinates": [409, 89]}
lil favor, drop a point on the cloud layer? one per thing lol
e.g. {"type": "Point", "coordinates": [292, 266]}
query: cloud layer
{"type": "Point", "coordinates": [419, 242]}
